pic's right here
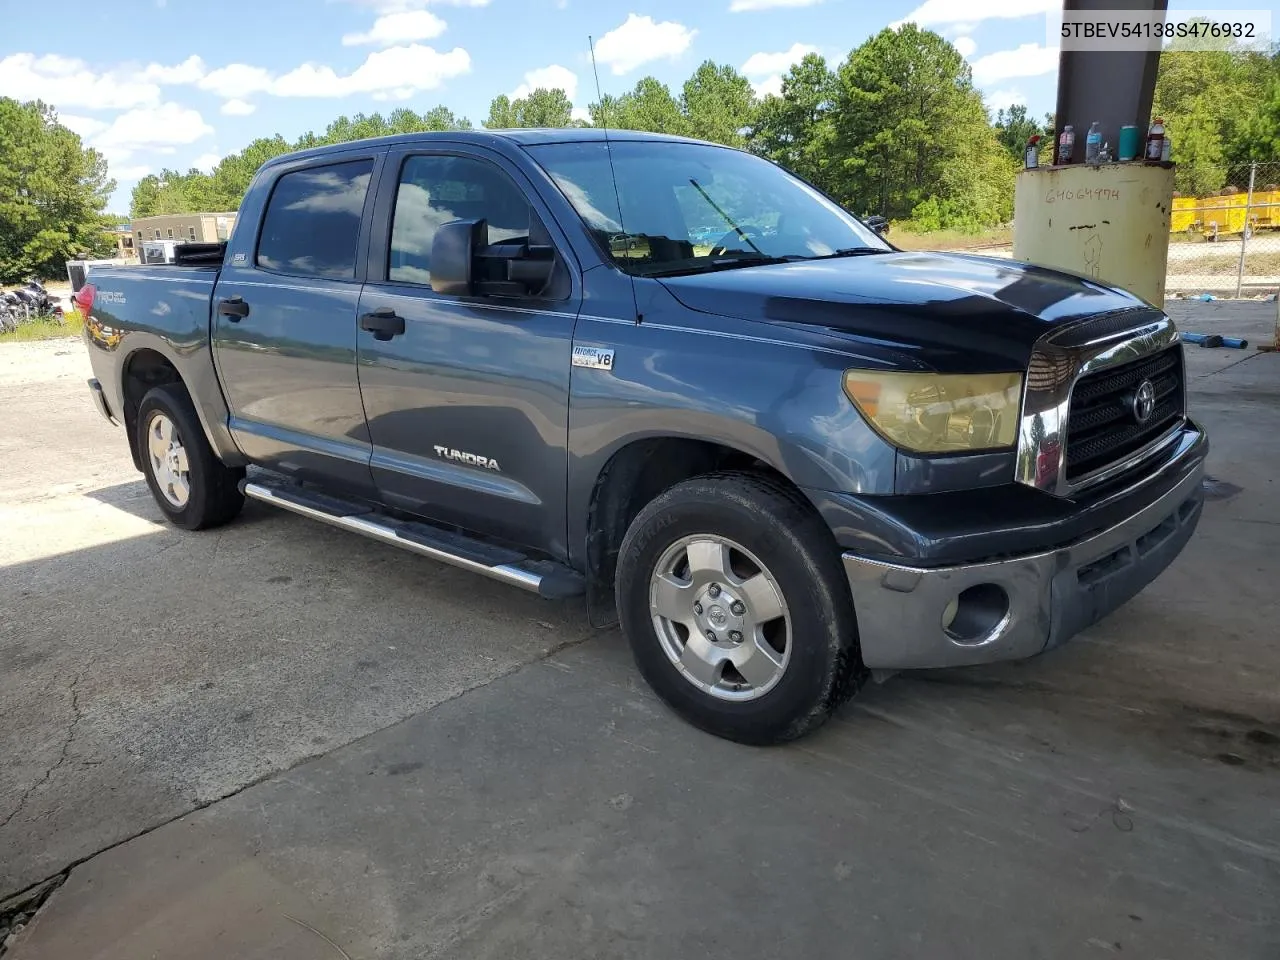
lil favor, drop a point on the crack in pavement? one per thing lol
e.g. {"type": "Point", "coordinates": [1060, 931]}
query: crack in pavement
{"type": "Point", "coordinates": [197, 805]}
{"type": "Point", "coordinates": [77, 716]}
{"type": "Point", "coordinates": [1234, 363]}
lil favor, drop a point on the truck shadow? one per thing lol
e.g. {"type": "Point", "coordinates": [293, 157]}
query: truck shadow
{"type": "Point", "coordinates": [134, 498]}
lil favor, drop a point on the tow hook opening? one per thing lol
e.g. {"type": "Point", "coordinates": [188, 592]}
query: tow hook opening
{"type": "Point", "coordinates": [976, 613]}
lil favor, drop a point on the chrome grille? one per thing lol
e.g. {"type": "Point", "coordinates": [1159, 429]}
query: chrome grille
{"type": "Point", "coordinates": [1079, 424]}
{"type": "Point", "coordinates": [1102, 427]}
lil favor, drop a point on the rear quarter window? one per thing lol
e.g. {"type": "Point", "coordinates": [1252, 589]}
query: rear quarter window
{"type": "Point", "coordinates": [312, 222]}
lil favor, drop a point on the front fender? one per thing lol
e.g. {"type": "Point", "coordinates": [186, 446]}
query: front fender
{"type": "Point", "coordinates": [723, 382]}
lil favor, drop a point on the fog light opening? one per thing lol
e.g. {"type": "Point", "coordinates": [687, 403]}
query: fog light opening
{"type": "Point", "coordinates": [975, 614]}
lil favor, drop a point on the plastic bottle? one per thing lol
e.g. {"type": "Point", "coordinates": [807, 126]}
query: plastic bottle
{"type": "Point", "coordinates": [1166, 149]}
{"type": "Point", "coordinates": [1155, 140]}
{"type": "Point", "coordinates": [1093, 143]}
{"type": "Point", "coordinates": [1066, 144]}
{"type": "Point", "coordinates": [1033, 152]}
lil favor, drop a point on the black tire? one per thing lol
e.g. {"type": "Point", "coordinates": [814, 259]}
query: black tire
{"type": "Point", "coordinates": [781, 528]}
{"type": "Point", "coordinates": [214, 496]}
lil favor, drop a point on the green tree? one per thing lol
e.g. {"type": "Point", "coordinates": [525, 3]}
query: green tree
{"type": "Point", "coordinates": [795, 129]}
{"type": "Point", "coordinates": [1260, 133]}
{"type": "Point", "coordinates": [648, 106]}
{"type": "Point", "coordinates": [173, 192]}
{"type": "Point", "coordinates": [541, 108]}
{"type": "Point", "coordinates": [718, 104]}
{"type": "Point", "coordinates": [910, 127]}
{"type": "Point", "coordinates": [1014, 128]}
{"type": "Point", "coordinates": [502, 114]}
{"type": "Point", "coordinates": [1208, 95]}
{"type": "Point", "coordinates": [53, 191]}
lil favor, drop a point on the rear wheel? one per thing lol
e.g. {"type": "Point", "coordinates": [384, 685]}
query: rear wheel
{"type": "Point", "coordinates": [190, 484]}
{"type": "Point", "coordinates": [734, 602]}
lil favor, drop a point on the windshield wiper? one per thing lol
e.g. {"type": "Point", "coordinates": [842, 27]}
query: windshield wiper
{"type": "Point", "coordinates": [732, 262]}
{"type": "Point", "coordinates": [851, 252]}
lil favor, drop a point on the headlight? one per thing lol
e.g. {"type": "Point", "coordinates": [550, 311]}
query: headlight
{"type": "Point", "coordinates": [939, 413]}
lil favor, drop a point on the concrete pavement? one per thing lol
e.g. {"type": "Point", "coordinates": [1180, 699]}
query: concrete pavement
{"type": "Point", "coordinates": [145, 671]}
{"type": "Point", "coordinates": [963, 819]}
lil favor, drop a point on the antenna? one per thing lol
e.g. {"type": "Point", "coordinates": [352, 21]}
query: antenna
{"type": "Point", "coordinates": [608, 145]}
{"type": "Point", "coordinates": [604, 113]}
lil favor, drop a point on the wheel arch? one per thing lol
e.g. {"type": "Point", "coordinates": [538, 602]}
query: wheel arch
{"type": "Point", "coordinates": [634, 473]}
{"type": "Point", "coordinates": [150, 361]}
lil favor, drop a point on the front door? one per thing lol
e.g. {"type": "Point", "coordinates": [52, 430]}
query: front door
{"type": "Point", "coordinates": [468, 407]}
{"type": "Point", "coordinates": [285, 326]}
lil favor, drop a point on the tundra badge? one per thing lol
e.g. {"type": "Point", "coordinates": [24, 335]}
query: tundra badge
{"type": "Point", "coordinates": [593, 358]}
{"type": "Point", "coordinates": [470, 459]}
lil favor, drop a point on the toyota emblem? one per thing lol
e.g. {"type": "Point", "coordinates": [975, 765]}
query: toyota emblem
{"type": "Point", "coordinates": [1144, 401]}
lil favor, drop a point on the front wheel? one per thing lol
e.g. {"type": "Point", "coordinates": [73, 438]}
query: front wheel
{"type": "Point", "coordinates": [733, 599]}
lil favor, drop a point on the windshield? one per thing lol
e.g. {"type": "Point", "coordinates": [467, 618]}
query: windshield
{"type": "Point", "coordinates": [689, 208]}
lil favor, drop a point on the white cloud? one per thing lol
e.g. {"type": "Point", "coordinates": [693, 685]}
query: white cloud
{"type": "Point", "coordinates": [128, 173]}
{"type": "Point", "coordinates": [85, 126]}
{"type": "Point", "coordinates": [395, 73]}
{"type": "Point", "coordinates": [238, 108]}
{"type": "Point", "coordinates": [762, 64]}
{"type": "Point", "coordinates": [548, 78]}
{"type": "Point", "coordinates": [581, 113]}
{"type": "Point", "coordinates": [236, 80]}
{"type": "Point", "coordinates": [1006, 98]}
{"type": "Point", "coordinates": [392, 28]}
{"type": "Point", "coordinates": [188, 71]}
{"type": "Point", "coordinates": [206, 162]}
{"type": "Point", "coordinates": [639, 40]}
{"type": "Point", "coordinates": [953, 30]}
{"type": "Point", "coordinates": [769, 86]}
{"type": "Point", "coordinates": [965, 46]}
{"type": "Point", "coordinates": [1028, 60]}
{"type": "Point", "coordinates": [935, 12]}
{"type": "Point", "coordinates": [741, 6]}
{"type": "Point", "coordinates": [145, 127]}
{"type": "Point", "coordinates": [68, 82]}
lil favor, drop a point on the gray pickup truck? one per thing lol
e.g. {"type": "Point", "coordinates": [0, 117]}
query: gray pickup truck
{"type": "Point", "coordinates": [786, 456]}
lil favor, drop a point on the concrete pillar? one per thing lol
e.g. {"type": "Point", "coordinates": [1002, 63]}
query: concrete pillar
{"type": "Point", "coordinates": [1109, 222]}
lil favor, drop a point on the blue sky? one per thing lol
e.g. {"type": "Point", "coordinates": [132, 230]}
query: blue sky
{"type": "Point", "coordinates": [180, 83]}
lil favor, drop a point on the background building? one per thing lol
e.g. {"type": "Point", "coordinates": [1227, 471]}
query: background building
{"type": "Point", "coordinates": [184, 227]}
{"type": "Point", "coordinates": [122, 236]}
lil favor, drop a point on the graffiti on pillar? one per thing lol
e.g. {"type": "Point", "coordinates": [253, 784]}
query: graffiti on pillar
{"type": "Point", "coordinates": [1093, 255]}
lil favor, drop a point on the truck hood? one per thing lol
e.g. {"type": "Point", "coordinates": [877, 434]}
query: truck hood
{"type": "Point", "coordinates": [950, 312]}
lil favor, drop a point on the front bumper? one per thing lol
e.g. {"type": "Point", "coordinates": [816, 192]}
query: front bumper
{"type": "Point", "coordinates": [1009, 609]}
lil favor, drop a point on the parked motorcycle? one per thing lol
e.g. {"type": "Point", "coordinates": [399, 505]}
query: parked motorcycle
{"type": "Point", "coordinates": [37, 299]}
{"type": "Point", "coordinates": [11, 311]}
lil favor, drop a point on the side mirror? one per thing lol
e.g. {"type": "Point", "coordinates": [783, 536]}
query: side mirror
{"type": "Point", "coordinates": [879, 224]}
{"type": "Point", "coordinates": [465, 264]}
{"type": "Point", "coordinates": [453, 253]}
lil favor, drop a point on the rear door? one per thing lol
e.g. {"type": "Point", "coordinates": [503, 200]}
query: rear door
{"type": "Point", "coordinates": [468, 406]}
{"type": "Point", "coordinates": [284, 326]}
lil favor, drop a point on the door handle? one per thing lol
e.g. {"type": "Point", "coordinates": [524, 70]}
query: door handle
{"type": "Point", "coordinates": [233, 308]}
{"type": "Point", "coordinates": [383, 323]}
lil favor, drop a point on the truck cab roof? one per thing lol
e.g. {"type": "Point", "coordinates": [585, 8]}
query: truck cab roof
{"type": "Point", "coordinates": [529, 136]}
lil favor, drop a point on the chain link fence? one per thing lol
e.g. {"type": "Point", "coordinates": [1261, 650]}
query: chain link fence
{"type": "Point", "coordinates": [1225, 239]}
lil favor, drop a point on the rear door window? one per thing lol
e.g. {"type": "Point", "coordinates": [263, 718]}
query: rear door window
{"type": "Point", "coordinates": [312, 223]}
